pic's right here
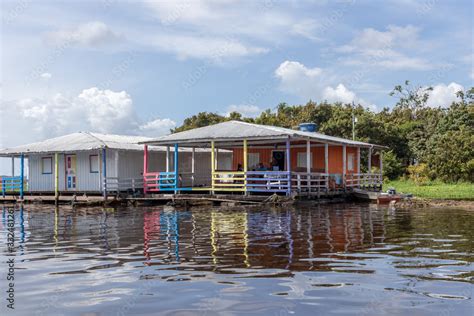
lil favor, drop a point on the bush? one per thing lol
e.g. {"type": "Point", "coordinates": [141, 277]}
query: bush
{"type": "Point", "coordinates": [392, 167]}
{"type": "Point", "coordinates": [418, 174]}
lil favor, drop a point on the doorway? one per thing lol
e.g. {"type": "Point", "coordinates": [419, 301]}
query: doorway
{"type": "Point", "coordinates": [279, 157]}
{"type": "Point", "coordinates": [71, 173]}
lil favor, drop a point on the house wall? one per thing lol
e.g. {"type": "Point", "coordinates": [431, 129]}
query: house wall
{"type": "Point", "coordinates": [85, 180]}
{"type": "Point", "coordinates": [318, 164]}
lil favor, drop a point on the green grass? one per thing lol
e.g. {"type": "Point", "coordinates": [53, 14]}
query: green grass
{"type": "Point", "coordinates": [434, 190]}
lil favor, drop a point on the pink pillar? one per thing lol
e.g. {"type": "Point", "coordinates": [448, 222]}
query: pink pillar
{"type": "Point", "coordinates": [145, 166]}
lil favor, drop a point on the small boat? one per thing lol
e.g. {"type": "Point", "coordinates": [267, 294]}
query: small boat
{"type": "Point", "coordinates": [380, 197]}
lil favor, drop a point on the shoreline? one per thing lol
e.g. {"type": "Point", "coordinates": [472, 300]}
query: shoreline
{"type": "Point", "coordinates": [435, 203]}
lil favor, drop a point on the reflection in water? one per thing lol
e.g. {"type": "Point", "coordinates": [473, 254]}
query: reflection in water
{"type": "Point", "coordinates": [341, 258]}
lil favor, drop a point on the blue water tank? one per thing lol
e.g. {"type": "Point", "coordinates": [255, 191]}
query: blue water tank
{"type": "Point", "coordinates": [308, 127]}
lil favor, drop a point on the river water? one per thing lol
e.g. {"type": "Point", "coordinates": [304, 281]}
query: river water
{"type": "Point", "coordinates": [338, 259]}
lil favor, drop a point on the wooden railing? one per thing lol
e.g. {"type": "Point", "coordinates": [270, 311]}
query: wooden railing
{"type": "Point", "coordinates": [159, 181]}
{"type": "Point", "coordinates": [115, 184]}
{"type": "Point", "coordinates": [268, 181]}
{"type": "Point", "coordinates": [228, 181]}
{"type": "Point", "coordinates": [310, 183]}
{"type": "Point", "coordinates": [12, 184]}
{"type": "Point", "coordinates": [363, 180]}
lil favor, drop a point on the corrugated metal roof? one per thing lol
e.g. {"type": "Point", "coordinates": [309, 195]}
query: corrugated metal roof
{"type": "Point", "coordinates": [235, 130]}
{"type": "Point", "coordinates": [84, 141]}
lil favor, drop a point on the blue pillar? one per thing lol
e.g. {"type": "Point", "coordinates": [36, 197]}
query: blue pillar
{"type": "Point", "coordinates": [176, 174]}
{"type": "Point", "coordinates": [22, 174]}
{"type": "Point", "coordinates": [104, 172]}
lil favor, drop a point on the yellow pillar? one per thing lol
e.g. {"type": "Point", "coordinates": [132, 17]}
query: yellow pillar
{"type": "Point", "coordinates": [56, 176]}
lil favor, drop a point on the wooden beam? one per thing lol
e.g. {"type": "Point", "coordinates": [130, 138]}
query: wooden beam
{"type": "Point", "coordinates": [308, 156]}
{"type": "Point", "coordinates": [381, 161]}
{"type": "Point", "coordinates": [104, 171]}
{"type": "Point", "coordinates": [176, 167]}
{"type": "Point", "coordinates": [56, 177]}
{"type": "Point", "coordinates": [22, 174]}
{"type": "Point", "coordinates": [193, 166]}
{"type": "Point", "coordinates": [369, 163]}
{"type": "Point", "coordinates": [326, 158]}
{"type": "Point", "coordinates": [145, 167]}
{"type": "Point", "coordinates": [245, 166]}
{"type": "Point", "coordinates": [167, 158]}
{"type": "Point", "coordinates": [358, 159]}
{"type": "Point", "coordinates": [288, 163]}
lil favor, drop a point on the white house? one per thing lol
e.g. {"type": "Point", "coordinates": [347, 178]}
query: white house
{"type": "Point", "coordinates": [87, 162]}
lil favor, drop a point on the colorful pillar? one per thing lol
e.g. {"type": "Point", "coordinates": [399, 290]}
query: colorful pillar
{"type": "Point", "coordinates": [104, 172]}
{"type": "Point", "coordinates": [176, 169]}
{"type": "Point", "coordinates": [22, 174]}
{"type": "Point", "coordinates": [145, 166]}
{"type": "Point", "coordinates": [245, 166]}
{"type": "Point", "coordinates": [193, 167]}
{"type": "Point", "coordinates": [212, 165]}
{"type": "Point", "coordinates": [288, 165]}
{"type": "Point", "coordinates": [56, 177]}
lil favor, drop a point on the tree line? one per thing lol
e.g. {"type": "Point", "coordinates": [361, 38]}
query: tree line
{"type": "Point", "coordinates": [427, 143]}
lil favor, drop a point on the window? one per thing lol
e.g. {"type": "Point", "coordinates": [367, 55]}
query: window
{"type": "Point", "coordinates": [350, 162]}
{"type": "Point", "coordinates": [301, 160]}
{"type": "Point", "coordinates": [47, 165]}
{"type": "Point", "coordinates": [94, 163]}
{"type": "Point", "coordinates": [253, 160]}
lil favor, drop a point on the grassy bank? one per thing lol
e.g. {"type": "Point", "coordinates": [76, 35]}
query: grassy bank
{"type": "Point", "coordinates": [434, 190]}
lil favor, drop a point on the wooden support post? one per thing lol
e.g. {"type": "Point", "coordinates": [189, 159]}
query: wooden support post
{"type": "Point", "coordinates": [369, 163]}
{"type": "Point", "coordinates": [104, 172]}
{"type": "Point", "coordinates": [245, 166]}
{"type": "Point", "coordinates": [308, 157]}
{"type": "Point", "coordinates": [288, 165]}
{"type": "Point", "coordinates": [212, 166]}
{"type": "Point", "coordinates": [358, 159]}
{"type": "Point", "coordinates": [22, 175]}
{"type": "Point", "coordinates": [381, 169]}
{"type": "Point", "coordinates": [176, 168]}
{"type": "Point", "coordinates": [193, 167]}
{"type": "Point", "coordinates": [358, 167]}
{"type": "Point", "coordinates": [167, 158]}
{"type": "Point", "coordinates": [326, 165]}
{"type": "Point", "coordinates": [344, 165]}
{"type": "Point", "coordinates": [145, 167]}
{"type": "Point", "coordinates": [56, 177]}
{"type": "Point", "coordinates": [217, 158]}
{"type": "Point", "coordinates": [116, 158]}
{"type": "Point", "coordinates": [13, 166]}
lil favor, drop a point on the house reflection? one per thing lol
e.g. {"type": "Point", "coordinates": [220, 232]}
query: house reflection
{"type": "Point", "coordinates": [272, 238]}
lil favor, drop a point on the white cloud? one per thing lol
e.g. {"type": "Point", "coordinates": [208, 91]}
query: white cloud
{"type": "Point", "coordinates": [296, 78]}
{"type": "Point", "coordinates": [91, 34]}
{"type": "Point", "coordinates": [199, 28]}
{"type": "Point", "coordinates": [93, 109]}
{"type": "Point", "coordinates": [389, 49]}
{"type": "Point", "coordinates": [157, 127]}
{"type": "Point", "coordinates": [244, 109]}
{"type": "Point", "coordinates": [339, 94]}
{"type": "Point", "coordinates": [46, 75]}
{"type": "Point", "coordinates": [313, 83]}
{"type": "Point", "coordinates": [443, 95]}
{"type": "Point", "coordinates": [212, 48]}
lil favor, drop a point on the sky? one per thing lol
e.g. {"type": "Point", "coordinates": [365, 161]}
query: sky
{"type": "Point", "coordinates": [142, 67]}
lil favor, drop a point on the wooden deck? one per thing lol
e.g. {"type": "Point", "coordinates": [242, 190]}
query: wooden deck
{"type": "Point", "coordinates": [163, 198]}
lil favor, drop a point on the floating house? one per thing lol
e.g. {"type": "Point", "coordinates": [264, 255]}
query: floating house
{"type": "Point", "coordinates": [269, 159]}
{"type": "Point", "coordinates": [94, 163]}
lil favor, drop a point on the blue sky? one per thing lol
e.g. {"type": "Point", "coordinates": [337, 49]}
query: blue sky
{"type": "Point", "coordinates": [142, 67]}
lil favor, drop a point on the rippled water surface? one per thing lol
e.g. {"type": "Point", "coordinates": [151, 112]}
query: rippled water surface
{"type": "Point", "coordinates": [338, 259]}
